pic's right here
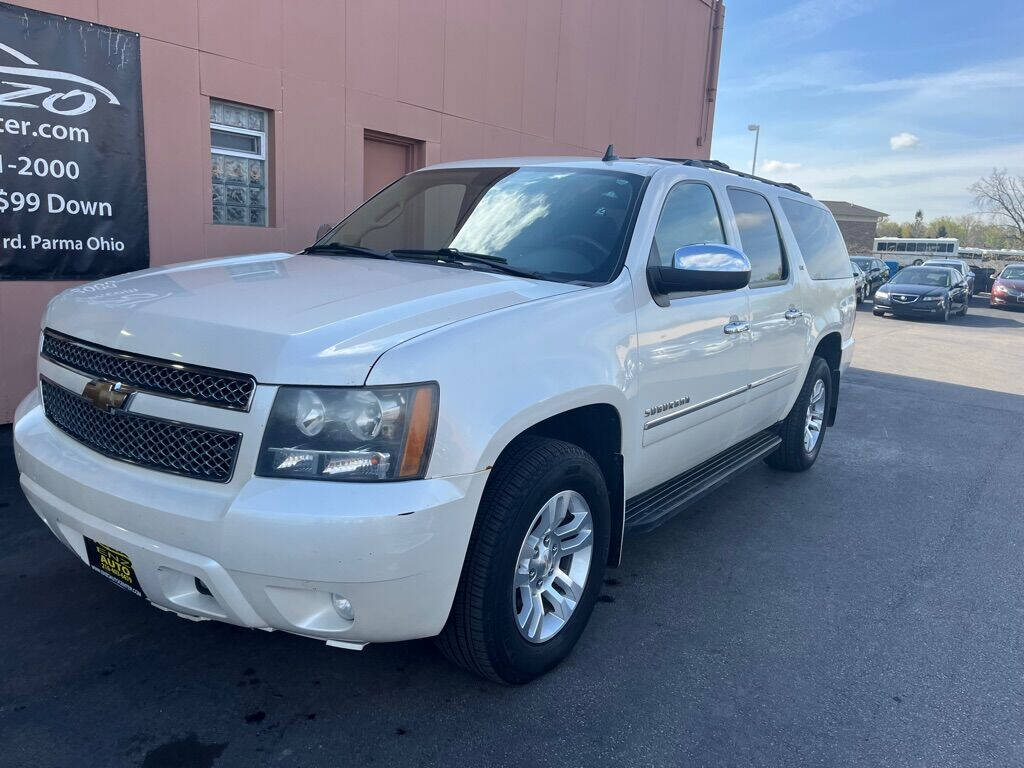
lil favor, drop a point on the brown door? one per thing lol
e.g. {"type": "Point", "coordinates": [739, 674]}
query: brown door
{"type": "Point", "coordinates": [384, 160]}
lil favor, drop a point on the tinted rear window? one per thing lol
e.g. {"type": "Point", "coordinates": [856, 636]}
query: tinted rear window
{"type": "Point", "coordinates": [819, 239]}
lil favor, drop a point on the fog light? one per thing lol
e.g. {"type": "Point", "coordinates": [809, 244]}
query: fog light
{"type": "Point", "coordinates": [343, 607]}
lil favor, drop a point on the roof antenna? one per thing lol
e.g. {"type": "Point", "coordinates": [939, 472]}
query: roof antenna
{"type": "Point", "coordinates": [609, 154]}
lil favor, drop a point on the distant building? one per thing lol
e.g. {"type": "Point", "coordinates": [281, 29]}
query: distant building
{"type": "Point", "coordinates": [857, 223]}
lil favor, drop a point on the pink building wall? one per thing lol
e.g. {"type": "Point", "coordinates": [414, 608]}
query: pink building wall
{"type": "Point", "coordinates": [467, 78]}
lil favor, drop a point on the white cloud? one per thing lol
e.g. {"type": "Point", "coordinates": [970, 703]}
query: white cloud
{"type": "Point", "coordinates": [996, 74]}
{"type": "Point", "coordinates": [768, 167]}
{"type": "Point", "coordinates": [936, 181]}
{"type": "Point", "coordinates": [810, 18]}
{"type": "Point", "coordinates": [903, 140]}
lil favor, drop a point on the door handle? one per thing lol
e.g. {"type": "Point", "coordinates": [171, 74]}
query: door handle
{"type": "Point", "coordinates": [793, 313]}
{"type": "Point", "coordinates": [738, 326]}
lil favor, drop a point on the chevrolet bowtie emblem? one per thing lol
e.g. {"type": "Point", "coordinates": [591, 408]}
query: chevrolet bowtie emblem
{"type": "Point", "coordinates": [107, 395]}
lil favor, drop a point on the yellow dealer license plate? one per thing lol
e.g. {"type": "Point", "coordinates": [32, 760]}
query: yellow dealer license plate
{"type": "Point", "coordinates": [113, 564]}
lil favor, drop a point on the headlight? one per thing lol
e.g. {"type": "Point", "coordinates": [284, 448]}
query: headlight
{"type": "Point", "coordinates": [931, 298]}
{"type": "Point", "coordinates": [880, 294]}
{"type": "Point", "coordinates": [998, 288]}
{"type": "Point", "coordinates": [350, 433]}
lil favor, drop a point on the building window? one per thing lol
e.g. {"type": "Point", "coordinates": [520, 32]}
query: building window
{"type": "Point", "coordinates": [238, 163]}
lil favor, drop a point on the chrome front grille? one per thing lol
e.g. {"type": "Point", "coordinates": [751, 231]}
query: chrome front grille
{"type": "Point", "coordinates": [203, 385]}
{"type": "Point", "coordinates": [168, 446]}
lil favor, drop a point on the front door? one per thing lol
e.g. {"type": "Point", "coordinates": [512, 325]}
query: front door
{"type": "Point", "coordinates": [694, 353]}
{"type": "Point", "coordinates": [780, 329]}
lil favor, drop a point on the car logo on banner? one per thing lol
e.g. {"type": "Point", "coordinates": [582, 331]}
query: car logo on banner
{"type": "Point", "coordinates": [56, 99]}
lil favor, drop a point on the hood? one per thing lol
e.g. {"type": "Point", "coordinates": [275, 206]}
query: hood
{"type": "Point", "coordinates": [285, 319]}
{"type": "Point", "coordinates": [1016, 284]}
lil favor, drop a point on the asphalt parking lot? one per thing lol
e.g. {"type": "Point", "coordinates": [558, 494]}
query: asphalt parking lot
{"type": "Point", "coordinates": [868, 612]}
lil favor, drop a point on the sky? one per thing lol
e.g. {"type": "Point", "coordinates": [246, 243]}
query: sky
{"type": "Point", "coordinates": [897, 105]}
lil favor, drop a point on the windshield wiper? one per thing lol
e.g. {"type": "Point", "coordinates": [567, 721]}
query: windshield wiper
{"type": "Point", "coordinates": [350, 250]}
{"type": "Point", "coordinates": [454, 256]}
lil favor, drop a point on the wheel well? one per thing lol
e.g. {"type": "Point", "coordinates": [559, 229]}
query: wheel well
{"type": "Point", "coordinates": [830, 349]}
{"type": "Point", "coordinates": [597, 429]}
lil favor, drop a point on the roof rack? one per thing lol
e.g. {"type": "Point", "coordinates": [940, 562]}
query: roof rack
{"type": "Point", "coordinates": [717, 165]}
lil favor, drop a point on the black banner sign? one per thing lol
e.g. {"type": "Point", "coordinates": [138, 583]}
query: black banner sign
{"type": "Point", "coordinates": [72, 154]}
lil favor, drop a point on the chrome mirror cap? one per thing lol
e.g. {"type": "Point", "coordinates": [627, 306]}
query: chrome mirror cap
{"type": "Point", "coordinates": [710, 257]}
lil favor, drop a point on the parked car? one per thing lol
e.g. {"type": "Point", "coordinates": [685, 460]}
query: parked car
{"type": "Point", "coordinates": [1008, 288]}
{"type": "Point", "coordinates": [960, 266]}
{"type": "Point", "coordinates": [860, 283]}
{"type": "Point", "coordinates": [935, 292]}
{"type": "Point", "coordinates": [874, 270]}
{"type": "Point", "coordinates": [442, 418]}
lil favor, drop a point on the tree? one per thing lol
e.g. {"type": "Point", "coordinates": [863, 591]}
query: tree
{"type": "Point", "coordinates": [888, 228]}
{"type": "Point", "coordinates": [941, 231]}
{"type": "Point", "coordinates": [1002, 195]}
{"type": "Point", "coordinates": [917, 228]}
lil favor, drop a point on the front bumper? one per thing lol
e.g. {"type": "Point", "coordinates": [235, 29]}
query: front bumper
{"type": "Point", "coordinates": [271, 552]}
{"type": "Point", "coordinates": [914, 309]}
{"type": "Point", "coordinates": [1006, 300]}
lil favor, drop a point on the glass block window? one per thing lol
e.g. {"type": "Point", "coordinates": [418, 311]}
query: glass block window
{"type": "Point", "coordinates": [238, 163]}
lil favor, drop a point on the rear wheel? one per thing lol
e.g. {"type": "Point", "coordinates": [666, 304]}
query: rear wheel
{"type": "Point", "coordinates": [803, 430]}
{"type": "Point", "coordinates": [535, 563]}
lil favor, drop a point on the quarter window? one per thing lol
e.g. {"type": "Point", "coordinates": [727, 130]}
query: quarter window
{"type": "Point", "coordinates": [238, 163]}
{"type": "Point", "coordinates": [688, 217]}
{"type": "Point", "coordinates": [759, 236]}
{"type": "Point", "coordinates": [821, 243]}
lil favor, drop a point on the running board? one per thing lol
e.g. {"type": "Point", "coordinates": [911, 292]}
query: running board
{"type": "Point", "coordinates": [652, 508]}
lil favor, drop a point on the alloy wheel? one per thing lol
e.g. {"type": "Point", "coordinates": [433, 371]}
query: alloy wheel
{"type": "Point", "coordinates": [815, 416]}
{"type": "Point", "coordinates": [552, 567]}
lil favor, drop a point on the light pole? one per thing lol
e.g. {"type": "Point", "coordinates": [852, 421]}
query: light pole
{"type": "Point", "coordinates": [757, 137]}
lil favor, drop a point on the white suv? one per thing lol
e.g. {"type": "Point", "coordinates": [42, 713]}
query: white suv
{"type": "Point", "coordinates": [443, 418]}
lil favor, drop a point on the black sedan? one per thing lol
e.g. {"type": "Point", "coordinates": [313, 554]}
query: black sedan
{"type": "Point", "coordinates": [875, 272]}
{"type": "Point", "coordinates": [935, 292]}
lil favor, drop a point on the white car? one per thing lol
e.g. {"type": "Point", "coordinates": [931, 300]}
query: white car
{"type": "Point", "coordinates": [441, 419]}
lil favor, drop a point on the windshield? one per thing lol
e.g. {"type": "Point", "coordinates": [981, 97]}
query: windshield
{"type": "Point", "coordinates": [1013, 273]}
{"type": "Point", "coordinates": [563, 224]}
{"type": "Point", "coordinates": [862, 263]}
{"type": "Point", "coordinates": [921, 276]}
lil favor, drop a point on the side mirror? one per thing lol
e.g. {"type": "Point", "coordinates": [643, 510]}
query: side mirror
{"type": "Point", "coordinates": [705, 267]}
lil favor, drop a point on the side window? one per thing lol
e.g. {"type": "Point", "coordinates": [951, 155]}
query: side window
{"type": "Point", "coordinates": [689, 216]}
{"type": "Point", "coordinates": [759, 236]}
{"type": "Point", "coordinates": [818, 236]}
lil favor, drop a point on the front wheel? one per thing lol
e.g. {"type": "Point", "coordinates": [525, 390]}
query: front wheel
{"type": "Point", "coordinates": [535, 563]}
{"type": "Point", "coordinates": [803, 430]}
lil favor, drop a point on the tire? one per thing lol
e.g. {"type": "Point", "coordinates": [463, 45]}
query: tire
{"type": "Point", "coordinates": [878, 312]}
{"type": "Point", "coordinates": [963, 312]}
{"type": "Point", "coordinates": [945, 315]}
{"type": "Point", "coordinates": [483, 634]}
{"type": "Point", "coordinates": [793, 455]}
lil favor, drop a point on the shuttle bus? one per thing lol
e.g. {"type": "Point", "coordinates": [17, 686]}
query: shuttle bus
{"type": "Point", "coordinates": [914, 248]}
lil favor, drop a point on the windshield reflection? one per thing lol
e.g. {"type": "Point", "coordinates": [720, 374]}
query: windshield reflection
{"type": "Point", "coordinates": [565, 224]}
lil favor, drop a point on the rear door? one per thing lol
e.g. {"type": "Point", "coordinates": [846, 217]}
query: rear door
{"type": "Point", "coordinates": [780, 329]}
